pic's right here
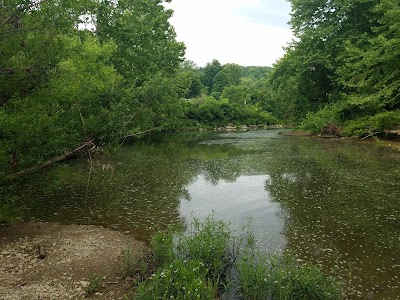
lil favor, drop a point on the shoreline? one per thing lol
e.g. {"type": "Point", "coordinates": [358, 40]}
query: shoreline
{"type": "Point", "coordinates": [391, 143]}
{"type": "Point", "coordinates": [74, 254]}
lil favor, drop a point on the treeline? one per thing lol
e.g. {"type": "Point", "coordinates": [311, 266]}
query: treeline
{"type": "Point", "coordinates": [218, 95]}
{"type": "Point", "coordinates": [341, 75]}
{"type": "Point", "coordinates": [76, 71]}
{"type": "Point", "coordinates": [89, 72]}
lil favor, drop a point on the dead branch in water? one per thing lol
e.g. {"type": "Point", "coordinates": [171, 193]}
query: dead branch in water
{"type": "Point", "coordinates": [56, 159]}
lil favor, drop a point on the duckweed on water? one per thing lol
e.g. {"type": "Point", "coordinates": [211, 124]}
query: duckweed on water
{"type": "Point", "coordinates": [198, 265]}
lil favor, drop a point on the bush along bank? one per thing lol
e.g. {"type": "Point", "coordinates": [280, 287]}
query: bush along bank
{"type": "Point", "coordinates": [210, 262]}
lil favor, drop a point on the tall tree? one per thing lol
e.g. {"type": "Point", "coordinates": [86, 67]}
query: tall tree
{"type": "Point", "coordinates": [61, 85]}
{"type": "Point", "coordinates": [338, 67]}
{"type": "Point", "coordinates": [146, 40]}
{"type": "Point", "coordinates": [209, 72]}
{"type": "Point", "coordinates": [29, 47]}
{"type": "Point", "coordinates": [229, 75]}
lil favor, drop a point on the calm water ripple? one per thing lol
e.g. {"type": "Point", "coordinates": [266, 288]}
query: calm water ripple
{"type": "Point", "coordinates": [327, 200]}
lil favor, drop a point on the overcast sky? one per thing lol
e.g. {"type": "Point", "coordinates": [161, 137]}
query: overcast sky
{"type": "Point", "coordinates": [245, 32]}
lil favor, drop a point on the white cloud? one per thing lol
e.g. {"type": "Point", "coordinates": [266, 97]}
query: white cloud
{"type": "Point", "coordinates": [231, 30]}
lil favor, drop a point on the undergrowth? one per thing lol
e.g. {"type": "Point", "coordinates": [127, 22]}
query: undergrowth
{"type": "Point", "coordinates": [199, 264]}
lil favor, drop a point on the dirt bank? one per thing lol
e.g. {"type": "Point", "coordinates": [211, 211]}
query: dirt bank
{"type": "Point", "coordinates": [74, 254]}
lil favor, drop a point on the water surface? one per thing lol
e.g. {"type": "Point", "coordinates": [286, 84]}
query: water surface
{"type": "Point", "coordinates": [329, 201]}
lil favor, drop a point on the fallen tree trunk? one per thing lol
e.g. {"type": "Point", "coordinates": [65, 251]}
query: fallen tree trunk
{"type": "Point", "coordinates": [56, 159]}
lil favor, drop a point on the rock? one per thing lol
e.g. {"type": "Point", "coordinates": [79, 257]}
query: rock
{"type": "Point", "coordinates": [5, 253]}
{"type": "Point", "coordinates": [84, 283]}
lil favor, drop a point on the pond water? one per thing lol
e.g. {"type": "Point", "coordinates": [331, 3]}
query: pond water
{"type": "Point", "coordinates": [329, 201]}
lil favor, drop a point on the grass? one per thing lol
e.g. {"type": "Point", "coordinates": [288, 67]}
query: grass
{"type": "Point", "coordinates": [94, 286]}
{"type": "Point", "coordinates": [208, 242]}
{"type": "Point", "coordinates": [200, 264]}
{"type": "Point", "coordinates": [281, 277]}
{"type": "Point", "coordinates": [178, 280]}
{"type": "Point", "coordinates": [136, 266]}
{"type": "Point", "coordinates": [9, 212]}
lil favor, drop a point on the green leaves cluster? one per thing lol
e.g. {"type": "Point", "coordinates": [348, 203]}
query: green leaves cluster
{"type": "Point", "coordinates": [218, 95]}
{"type": "Point", "coordinates": [200, 264]}
{"type": "Point", "coordinates": [341, 66]}
{"type": "Point", "coordinates": [61, 85]}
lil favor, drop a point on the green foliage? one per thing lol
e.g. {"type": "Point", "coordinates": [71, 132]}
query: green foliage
{"type": "Point", "coordinates": [256, 72]}
{"type": "Point", "coordinates": [341, 65]}
{"type": "Point", "coordinates": [371, 125]}
{"type": "Point", "coordinates": [237, 94]}
{"type": "Point", "coordinates": [323, 121]}
{"type": "Point", "coordinates": [146, 41]}
{"type": "Point", "coordinates": [209, 73]}
{"type": "Point", "coordinates": [62, 86]}
{"type": "Point", "coordinates": [209, 242]}
{"type": "Point", "coordinates": [229, 75]}
{"type": "Point", "coordinates": [196, 264]}
{"type": "Point", "coordinates": [274, 277]}
{"type": "Point", "coordinates": [163, 248]}
{"type": "Point", "coordinates": [178, 280]}
{"type": "Point", "coordinates": [367, 72]}
{"type": "Point", "coordinates": [253, 277]}
{"type": "Point", "coordinates": [29, 47]}
{"type": "Point", "coordinates": [189, 84]}
{"type": "Point", "coordinates": [190, 265]}
{"type": "Point", "coordinates": [9, 212]}
{"type": "Point", "coordinates": [130, 260]}
{"type": "Point", "coordinates": [94, 285]}
{"type": "Point", "coordinates": [212, 112]}
{"type": "Point", "coordinates": [74, 106]}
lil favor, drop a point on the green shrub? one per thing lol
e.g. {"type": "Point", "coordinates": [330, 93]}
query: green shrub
{"type": "Point", "coordinates": [178, 280]}
{"type": "Point", "coordinates": [325, 121]}
{"type": "Point", "coordinates": [131, 262]}
{"type": "Point", "coordinates": [372, 124]}
{"type": "Point", "coordinates": [163, 248]}
{"type": "Point", "coordinates": [9, 211]}
{"type": "Point", "coordinates": [94, 285]}
{"type": "Point", "coordinates": [198, 265]}
{"type": "Point", "coordinates": [280, 277]}
{"type": "Point", "coordinates": [208, 242]}
{"type": "Point", "coordinates": [253, 277]}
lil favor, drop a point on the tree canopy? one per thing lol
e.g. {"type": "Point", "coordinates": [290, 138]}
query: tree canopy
{"type": "Point", "coordinates": [339, 72]}
{"type": "Point", "coordinates": [62, 84]}
{"type": "Point", "coordinates": [101, 71]}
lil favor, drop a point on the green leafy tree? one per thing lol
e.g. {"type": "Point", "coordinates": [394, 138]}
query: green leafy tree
{"type": "Point", "coordinates": [368, 72]}
{"type": "Point", "coordinates": [209, 72]}
{"type": "Point", "coordinates": [229, 75]}
{"type": "Point", "coordinates": [237, 94]}
{"type": "Point", "coordinates": [146, 41]}
{"type": "Point", "coordinates": [339, 68]}
{"type": "Point", "coordinates": [62, 85]}
{"type": "Point", "coordinates": [29, 47]}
